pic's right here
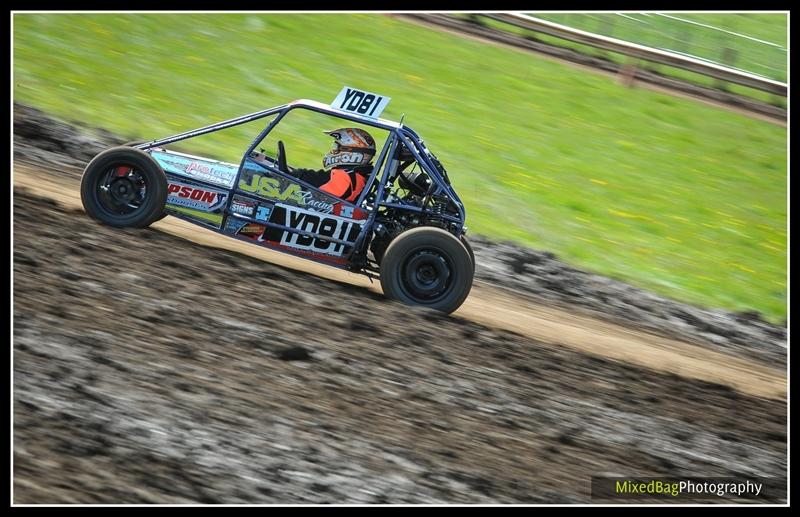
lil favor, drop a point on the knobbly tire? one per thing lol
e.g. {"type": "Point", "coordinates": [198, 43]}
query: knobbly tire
{"type": "Point", "coordinates": [467, 245]}
{"type": "Point", "coordinates": [124, 187]}
{"type": "Point", "coordinates": [427, 266]}
{"type": "Point", "coordinates": [133, 143]}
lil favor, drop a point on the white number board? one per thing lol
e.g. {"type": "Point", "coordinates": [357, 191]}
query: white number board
{"type": "Point", "coordinates": [360, 102]}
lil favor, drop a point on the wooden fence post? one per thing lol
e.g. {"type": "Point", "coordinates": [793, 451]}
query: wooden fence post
{"type": "Point", "coordinates": [728, 58]}
{"type": "Point", "coordinates": [627, 73]}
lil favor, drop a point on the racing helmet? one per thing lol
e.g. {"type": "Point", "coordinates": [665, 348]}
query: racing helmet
{"type": "Point", "coordinates": [351, 147]}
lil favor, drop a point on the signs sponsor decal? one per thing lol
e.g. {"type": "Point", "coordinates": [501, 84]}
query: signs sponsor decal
{"type": "Point", "coordinates": [193, 196]}
{"type": "Point", "coordinates": [243, 206]}
{"type": "Point", "coordinates": [323, 225]}
{"type": "Point", "coordinates": [360, 102]}
{"type": "Point", "coordinates": [209, 171]}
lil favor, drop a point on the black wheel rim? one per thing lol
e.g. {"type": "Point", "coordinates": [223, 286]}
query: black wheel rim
{"type": "Point", "coordinates": [121, 190]}
{"type": "Point", "coordinates": [426, 275]}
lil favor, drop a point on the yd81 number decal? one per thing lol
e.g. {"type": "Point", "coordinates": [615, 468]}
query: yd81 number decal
{"type": "Point", "coordinates": [361, 102]}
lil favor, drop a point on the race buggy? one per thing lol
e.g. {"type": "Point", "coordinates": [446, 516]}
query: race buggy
{"type": "Point", "coordinates": [406, 225]}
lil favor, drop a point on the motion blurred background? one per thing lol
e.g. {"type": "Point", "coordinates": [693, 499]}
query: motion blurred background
{"type": "Point", "coordinates": [172, 365]}
{"type": "Point", "coordinates": [660, 190]}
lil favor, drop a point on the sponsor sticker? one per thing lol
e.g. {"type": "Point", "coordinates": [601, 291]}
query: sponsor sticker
{"type": "Point", "coordinates": [243, 207]}
{"type": "Point", "coordinates": [316, 204]}
{"type": "Point", "coordinates": [313, 222]}
{"type": "Point", "coordinates": [252, 229]}
{"type": "Point", "coordinates": [281, 190]}
{"type": "Point", "coordinates": [195, 197]}
{"type": "Point", "coordinates": [262, 214]}
{"type": "Point", "coordinates": [234, 225]}
{"type": "Point", "coordinates": [350, 212]}
{"type": "Point", "coordinates": [209, 171]}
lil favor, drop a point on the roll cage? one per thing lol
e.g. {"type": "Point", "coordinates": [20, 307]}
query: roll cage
{"type": "Point", "coordinates": [376, 196]}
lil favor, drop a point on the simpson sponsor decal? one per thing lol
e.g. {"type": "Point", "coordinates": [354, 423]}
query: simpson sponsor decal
{"type": "Point", "coordinates": [218, 173]}
{"type": "Point", "coordinates": [198, 198]}
{"type": "Point", "coordinates": [312, 222]}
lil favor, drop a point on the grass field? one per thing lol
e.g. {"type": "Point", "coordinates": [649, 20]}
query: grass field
{"type": "Point", "coordinates": [680, 197]}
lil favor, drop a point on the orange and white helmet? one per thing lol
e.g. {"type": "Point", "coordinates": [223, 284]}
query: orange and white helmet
{"type": "Point", "coordinates": [351, 147]}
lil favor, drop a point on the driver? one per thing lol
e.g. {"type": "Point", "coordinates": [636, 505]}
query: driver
{"type": "Point", "coordinates": [347, 165]}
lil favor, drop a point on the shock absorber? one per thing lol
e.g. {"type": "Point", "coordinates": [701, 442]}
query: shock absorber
{"type": "Point", "coordinates": [439, 206]}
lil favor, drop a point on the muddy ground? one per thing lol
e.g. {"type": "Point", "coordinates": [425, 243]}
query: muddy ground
{"type": "Point", "coordinates": [535, 274]}
{"type": "Point", "coordinates": [149, 369]}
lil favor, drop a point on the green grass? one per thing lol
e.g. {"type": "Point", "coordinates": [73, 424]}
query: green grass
{"type": "Point", "coordinates": [683, 198]}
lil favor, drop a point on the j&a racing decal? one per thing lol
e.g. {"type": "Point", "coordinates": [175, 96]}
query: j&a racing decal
{"type": "Point", "coordinates": [195, 197]}
{"type": "Point", "coordinates": [280, 189]}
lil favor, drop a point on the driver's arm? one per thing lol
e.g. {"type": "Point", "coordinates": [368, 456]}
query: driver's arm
{"type": "Point", "coordinates": [317, 178]}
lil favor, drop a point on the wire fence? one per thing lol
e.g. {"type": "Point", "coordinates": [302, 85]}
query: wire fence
{"type": "Point", "coordinates": [753, 42]}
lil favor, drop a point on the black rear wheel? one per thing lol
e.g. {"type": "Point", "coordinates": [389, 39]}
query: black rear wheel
{"type": "Point", "coordinates": [427, 266]}
{"type": "Point", "coordinates": [467, 245]}
{"type": "Point", "coordinates": [124, 187]}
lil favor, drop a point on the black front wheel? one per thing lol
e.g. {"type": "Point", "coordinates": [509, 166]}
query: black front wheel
{"type": "Point", "coordinates": [427, 266]}
{"type": "Point", "coordinates": [124, 187]}
{"type": "Point", "coordinates": [133, 143]}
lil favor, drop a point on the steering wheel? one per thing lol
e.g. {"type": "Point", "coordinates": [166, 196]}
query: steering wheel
{"type": "Point", "coordinates": [282, 157]}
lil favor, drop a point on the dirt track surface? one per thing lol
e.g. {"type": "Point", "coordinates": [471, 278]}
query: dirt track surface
{"type": "Point", "coordinates": [151, 369]}
{"type": "Point", "coordinates": [536, 275]}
